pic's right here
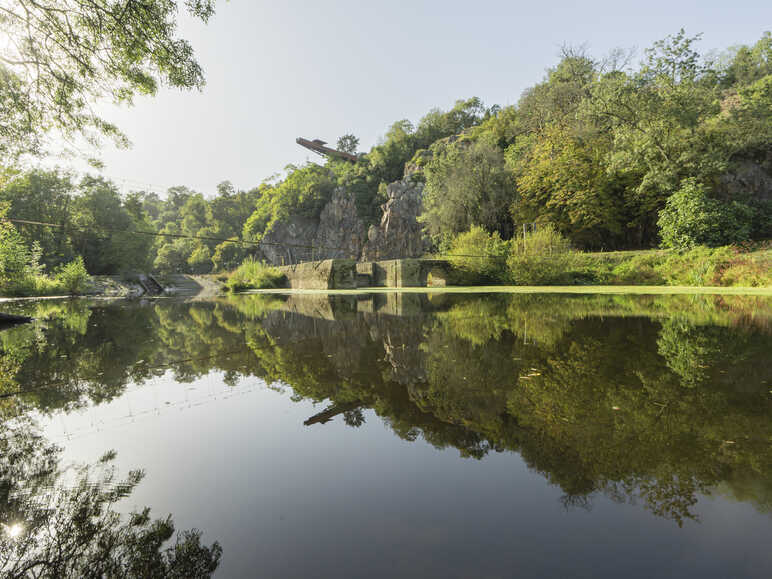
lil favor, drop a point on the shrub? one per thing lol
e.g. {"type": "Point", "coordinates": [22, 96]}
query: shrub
{"type": "Point", "coordinates": [638, 270]}
{"type": "Point", "coordinates": [14, 255]}
{"type": "Point", "coordinates": [691, 218]}
{"type": "Point", "coordinates": [253, 274]}
{"type": "Point", "coordinates": [73, 277]}
{"type": "Point", "coordinates": [545, 241]}
{"type": "Point", "coordinates": [542, 257]}
{"type": "Point", "coordinates": [478, 256]}
{"type": "Point", "coordinates": [557, 269]}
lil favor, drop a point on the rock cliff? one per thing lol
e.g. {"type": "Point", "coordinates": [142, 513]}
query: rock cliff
{"type": "Point", "coordinates": [399, 233]}
{"type": "Point", "coordinates": [340, 233]}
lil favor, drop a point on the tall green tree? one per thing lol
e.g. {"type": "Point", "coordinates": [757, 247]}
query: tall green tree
{"type": "Point", "coordinates": [467, 184]}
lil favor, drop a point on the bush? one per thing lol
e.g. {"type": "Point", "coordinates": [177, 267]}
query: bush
{"type": "Point", "coordinates": [30, 285]}
{"type": "Point", "coordinates": [14, 255]}
{"type": "Point", "coordinates": [478, 256]}
{"type": "Point", "coordinates": [545, 241]}
{"type": "Point", "coordinates": [557, 269]}
{"type": "Point", "coordinates": [73, 277]}
{"type": "Point", "coordinates": [691, 218]}
{"type": "Point", "coordinates": [253, 274]}
{"type": "Point", "coordinates": [542, 257]}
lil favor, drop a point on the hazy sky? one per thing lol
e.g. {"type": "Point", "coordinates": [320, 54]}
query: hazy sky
{"type": "Point", "coordinates": [281, 69]}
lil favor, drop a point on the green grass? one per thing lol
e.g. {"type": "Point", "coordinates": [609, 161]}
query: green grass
{"type": "Point", "coordinates": [253, 274]}
{"type": "Point", "coordinates": [553, 289]}
{"type": "Point", "coordinates": [701, 266]}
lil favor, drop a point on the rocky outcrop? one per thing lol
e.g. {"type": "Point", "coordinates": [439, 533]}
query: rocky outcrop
{"type": "Point", "coordinates": [341, 233]}
{"type": "Point", "coordinates": [289, 241]}
{"type": "Point", "coordinates": [399, 234]}
{"type": "Point", "coordinates": [748, 180]}
{"type": "Point", "coordinates": [338, 233]}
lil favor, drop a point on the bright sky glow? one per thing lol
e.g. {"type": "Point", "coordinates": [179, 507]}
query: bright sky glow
{"type": "Point", "coordinates": [279, 70]}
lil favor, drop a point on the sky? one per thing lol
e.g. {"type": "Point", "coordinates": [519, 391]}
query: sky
{"type": "Point", "coordinates": [279, 70]}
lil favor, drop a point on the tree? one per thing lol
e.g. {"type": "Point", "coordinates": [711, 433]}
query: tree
{"type": "Point", "coordinates": [62, 55]}
{"type": "Point", "coordinates": [46, 196]}
{"type": "Point", "coordinates": [563, 179]}
{"type": "Point", "coordinates": [348, 144]}
{"type": "Point", "coordinates": [467, 184]}
{"type": "Point", "coordinates": [14, 255]}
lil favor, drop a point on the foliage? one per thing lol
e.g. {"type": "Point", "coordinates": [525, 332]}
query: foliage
{"type": "Point", "coordinates": [691, 218]}
{"type": "Point", "coordinates": [14, 255]}
{"type": "Point", "coordinates": [73, 276]}
{"type": "Point", "coordinates": [348, 144]}
{"type": "Point", "coordinates": [700, 266]}
{"type": "Point", "coordinates": [22, 274]}
{"type": "Point", "coordinates": [63, 55]}
{"type": "Point", "coordinates": [303, 193]}
{"type": "Point", "coordinates": [111, 231]}
{"type": "Point", "coordinates": [70, 528]}
{"type": "Point", "coordinates": [466, 185]}
{"type": "Point", "coordinates": [253, 274]}
{"type": "Point", "coordinates": [478, 256]}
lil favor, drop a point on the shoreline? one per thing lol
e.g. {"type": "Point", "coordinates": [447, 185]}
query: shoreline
{"type": "Point", "coordinates": [576, 289]}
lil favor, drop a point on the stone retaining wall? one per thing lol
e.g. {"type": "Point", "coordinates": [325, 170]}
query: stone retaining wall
{"type": "Point", "coordinates": [348, 274]}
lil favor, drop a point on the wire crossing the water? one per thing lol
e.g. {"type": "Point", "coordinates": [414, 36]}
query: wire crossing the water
{"type": "Point", "coordinates": [63, 227]}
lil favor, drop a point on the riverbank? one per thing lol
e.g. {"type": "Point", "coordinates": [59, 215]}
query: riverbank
{"type": "Point", "coordinates": [728, 266]}
{"type": "Point", "coordinates": [713, 268]}
{"type": "Point", "coordinates": [521, 289]}
{"type": "Point", "coordinates": [127, 287]}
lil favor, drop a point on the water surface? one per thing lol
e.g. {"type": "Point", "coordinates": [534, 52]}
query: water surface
{"type": "Point", "coordinates": [409, 434]}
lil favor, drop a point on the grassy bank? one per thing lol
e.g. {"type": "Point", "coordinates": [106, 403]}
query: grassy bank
{"type": "Point", "coordinates": [545, 259]}
{"type": "Point", "coordinates": [69, 279]}
{"type": "Point", "coordinates": [253, 274]}
{"type": "Point", "coordinates": [701, 266]}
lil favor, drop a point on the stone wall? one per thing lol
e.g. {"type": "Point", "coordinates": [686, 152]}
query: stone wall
{"type": "Point", "coordinates": [326, 274]}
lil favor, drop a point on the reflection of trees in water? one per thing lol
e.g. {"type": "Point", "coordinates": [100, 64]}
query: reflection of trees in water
{"type": "Point", "coordinates": [63, 524]}
{"type": "Point", "coordinates": [595, 405]}
{"type": "Point", "coordinates": [646, 399]}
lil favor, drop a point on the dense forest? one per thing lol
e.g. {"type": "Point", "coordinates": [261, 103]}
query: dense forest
{"type": "Point", "coordinates": [674, 152]}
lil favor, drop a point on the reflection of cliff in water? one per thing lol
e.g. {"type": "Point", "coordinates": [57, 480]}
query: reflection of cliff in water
{"type": "Point", "coordinates": [640, 406]}
{"type": "Point", "coordinates": [649, 398]}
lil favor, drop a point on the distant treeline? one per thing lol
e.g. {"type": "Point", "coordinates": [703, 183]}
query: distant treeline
{"type": "Point", "coordinates": [93, 220]}
{"type": "Point", "coordinates": [676, 151]}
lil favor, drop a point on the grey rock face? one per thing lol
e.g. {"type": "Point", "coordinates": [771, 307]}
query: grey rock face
{"type": "Point", "coordinates": [338, 233]}
{"type": "Point", "coordinates": [749, 179]}
{"type": "Point", "coordinates": [341, 233]}
{"type": "Point", "coordinates": [399, 233]}
{"type": "Point", "coordinates": [284, 244]}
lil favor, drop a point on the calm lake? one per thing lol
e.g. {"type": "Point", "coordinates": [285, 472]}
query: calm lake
{"type": "Point", "coordinates": [409, 435]}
